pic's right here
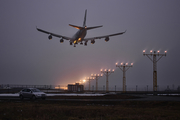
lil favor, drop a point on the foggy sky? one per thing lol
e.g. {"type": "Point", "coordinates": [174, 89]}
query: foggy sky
{"type": "Point", "coordinates": [28, 57]}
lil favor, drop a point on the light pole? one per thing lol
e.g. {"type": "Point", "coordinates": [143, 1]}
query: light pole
{"type": "Point", "coordinates": [96, 76]}
{"type": "Point", "coordinates": [89, 79]}
{"type": "Point", "coordinates": [154, 60]}
{"type": "Point", "coordinates": [124, 67]}
{"type": "Point", "coordinates": [83, 82]}
{"type": "Point", "coordinates": [107, 73]}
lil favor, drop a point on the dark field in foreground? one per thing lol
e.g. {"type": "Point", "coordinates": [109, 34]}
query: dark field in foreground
{"type": "Point", "coordinates": [95, 97]}
{"type": "Point", "coordinates": [66, 110]}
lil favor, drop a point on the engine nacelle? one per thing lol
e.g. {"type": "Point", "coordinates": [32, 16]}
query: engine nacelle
{"type": "Point", "coordinates": [61, 40]}
{"type": "Point", "coordinates": [50, 37]}
{"type": "Point", "coordinates": [92, 41]}
{"type": "Point", "coordinates": [107, 39]}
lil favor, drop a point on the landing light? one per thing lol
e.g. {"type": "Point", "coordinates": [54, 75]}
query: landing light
{"type": "Point", "coordinates": [75, 42]}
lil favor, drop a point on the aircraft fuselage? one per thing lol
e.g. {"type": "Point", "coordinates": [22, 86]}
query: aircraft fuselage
{"type": "Point", "coordinates": [80, 35]}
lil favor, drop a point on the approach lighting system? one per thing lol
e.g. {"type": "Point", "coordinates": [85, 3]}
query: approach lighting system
{"type": "Point", "coordinates": [96, 76]}
{"type": "Point", "coordinates": [124, 67]}
{"type": "Point", "coordinates": [154, 60]}
{"type": "Point", "coordinates": [89, 79]}
{"type": "Point", "coordinates": [107, 73]}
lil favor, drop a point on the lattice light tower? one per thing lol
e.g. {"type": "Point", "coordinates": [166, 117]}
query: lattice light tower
{"type": "Point", "coordinates": [124, 67]}
{"type": "Point", "coordinates": [89, 79]}
{"type": "Point", "coordinates": [96, 76]}
{"type": "Point", "coordinates": [154, 60]}
{"type": "Point", "coordinates": [107, 73]}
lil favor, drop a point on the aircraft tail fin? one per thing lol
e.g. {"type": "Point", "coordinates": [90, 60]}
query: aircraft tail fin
{"type": "Point", "coordinates": [84, 23]}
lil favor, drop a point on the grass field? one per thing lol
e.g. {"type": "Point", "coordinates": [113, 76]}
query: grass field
{"type": "Point", "coordinates": [68, 110]}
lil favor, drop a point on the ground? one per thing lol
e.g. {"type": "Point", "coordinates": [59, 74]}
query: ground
{"type": "Point", "coordinates": [89, 110]}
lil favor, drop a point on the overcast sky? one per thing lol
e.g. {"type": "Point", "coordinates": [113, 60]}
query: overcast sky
{"type": "Point", "coordinates": [28, 57]}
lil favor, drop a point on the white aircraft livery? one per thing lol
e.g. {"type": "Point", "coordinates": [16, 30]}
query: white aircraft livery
{"type": "Point", "coordinates": [79, 37]}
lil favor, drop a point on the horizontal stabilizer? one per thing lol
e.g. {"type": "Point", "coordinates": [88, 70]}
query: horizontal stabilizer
{"type": "Point", "coordinates": [77, 27]}
{"type": "Point", "coordinates": [89, 28]}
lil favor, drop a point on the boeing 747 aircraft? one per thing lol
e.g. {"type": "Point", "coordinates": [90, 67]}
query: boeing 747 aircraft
{"type": "Point", "coordinates": [79, 37]}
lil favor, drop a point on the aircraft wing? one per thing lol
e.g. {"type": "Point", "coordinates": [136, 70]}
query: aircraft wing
{"type": "Point", "coordinates": [93, 38]}
{"type": "Point", "coordinates": [53, 34]}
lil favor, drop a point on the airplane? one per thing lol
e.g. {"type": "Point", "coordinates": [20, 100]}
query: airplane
{"type": "Point", "coordinates": [79, 37]}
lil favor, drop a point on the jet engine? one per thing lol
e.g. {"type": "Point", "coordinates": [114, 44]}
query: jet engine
{"type": "Point", "coordinates": [107, 39]}
{"type": "Point", "coordinates": [92, 41]}
{"type": "Point", "coordinates": [61, 40]}
{"type": "Point", "coordinates": [50, 37]}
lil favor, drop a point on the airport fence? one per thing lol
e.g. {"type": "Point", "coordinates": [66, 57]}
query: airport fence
{"type": "Point", "coordinates": [15, 88]}
{"type": "Point", "coordinates": [135, 88]}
